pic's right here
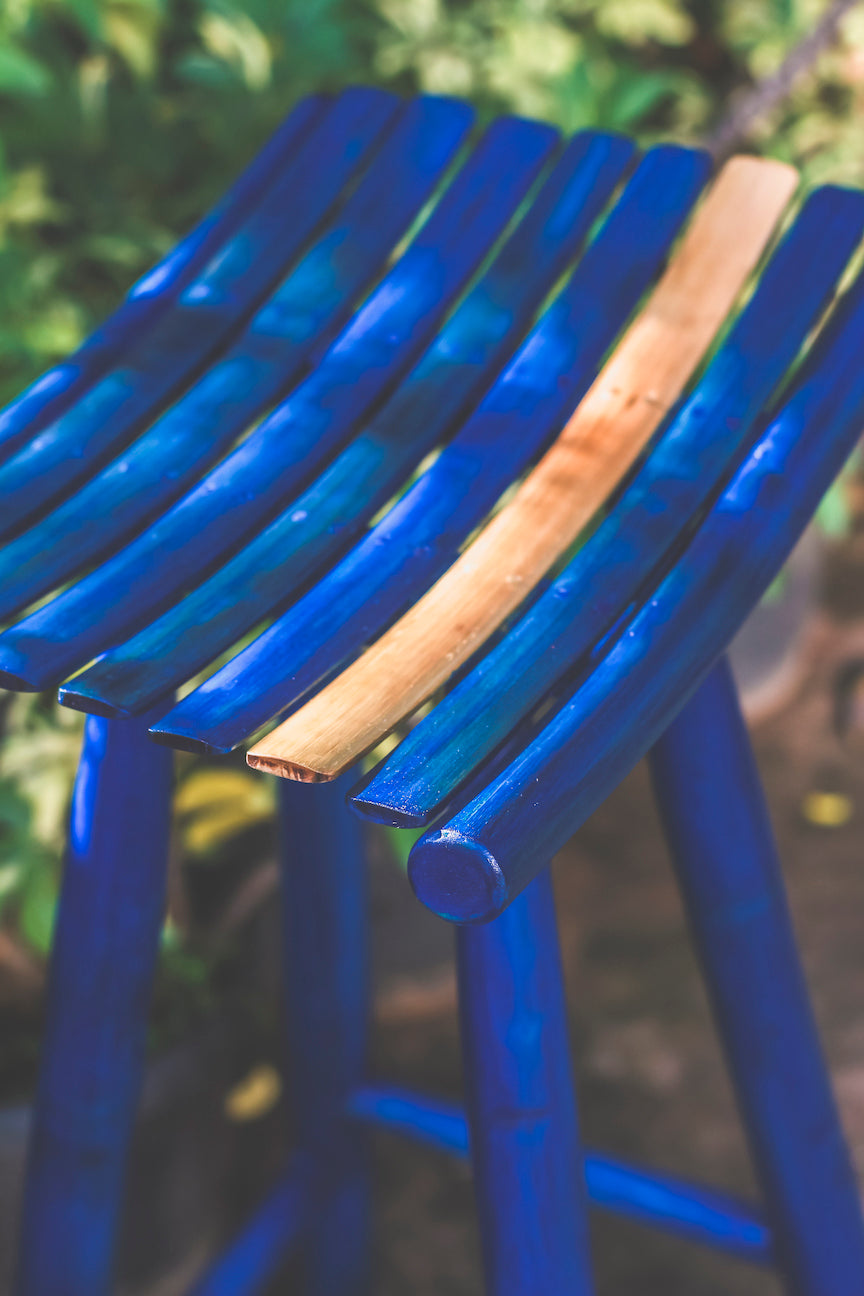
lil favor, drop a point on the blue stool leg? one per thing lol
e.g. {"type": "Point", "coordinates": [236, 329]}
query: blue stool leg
{"type": "Point", "coordinates": [521, 1107]}
{"type": "Point", "coordinates": [105, 947]}
{"type": "Point", "coordinates": [717, 823]}
{"type": "Point", "coordinates": [325, 943]}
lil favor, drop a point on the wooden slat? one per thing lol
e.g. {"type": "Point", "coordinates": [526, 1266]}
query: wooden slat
{"type": "Point", "coordinates": [496, 708]}
{"type": "Point", "coordinates": [611, 426]}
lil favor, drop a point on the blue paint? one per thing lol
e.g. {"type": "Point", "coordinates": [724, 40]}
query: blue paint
{"type": "Point", "coordinates": [480, 858]}
{"type": "Point", "coordinates": [255, 1256]}
{"type": "Point", "coordinates": [716, 820]}
{"type": "Point", "coordinates": [420, 536]}
{"type": "Point", "coordinates": [106, 939]}
{"type": "Point", "coordinates": [55, 390]}
{"type": "Point", "coordinates": [684, 469]}
{"type": "Point", "coordinates": [207, 311]}
{"type": "Point", "coordinates": [237, 497]}
{"type": "Point", "coordinates": [432, 400]}
{"type": "Point", "coordinates": [303, 313]}
{"type": "Point", "coordinates": [325, 927]}
{"type": "Point", "coordinates": [526, 1155]}
{"type": "Point", "coordinates": [662, 1201]}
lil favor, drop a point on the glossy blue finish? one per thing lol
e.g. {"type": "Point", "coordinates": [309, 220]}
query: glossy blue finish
{"type": "Point", "coordinates": [420, 536]}
{"type": "Point", "coordinates": [278, 458]}
{"type": "Point", "coordinates": [325, 955]}
{"type": "Point", "coordinates": [659, 1200]}
{"type": "Point", "coordinates": [106, 939]}
{"type": "Point", "coordinates": [203, 316]}
{"type": "Point", "coordinates": [525, 1150]}
{"type": "Point", "coordinates": [55, 390]}
{"type": "Point", "coordinates": [321, 523]}
{"type": "Point", "coordinates": [303, 313]}
{"type": "Point", "coordinates": [255, 1256]}
{"type": "Point", "coordinates": [682, 472]}
{"type": "Point", "coordinates": [472, 866]}
{"type": "Point", "coordinates": [719, 832]}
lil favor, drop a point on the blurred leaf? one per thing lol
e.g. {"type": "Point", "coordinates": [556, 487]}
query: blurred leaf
{"type": "Point", "coordinates": [213, 805]}
{"type": "Point", "coordinates": [400, 841]}
{"type": "Point", "coordinates": [132, 32]}
{"type": "Point", "coordinates": [834, 514]}
{"type": "Point", "coordinates": [639, 95]}
{"type": "Point", "coordinates": [21, 74]}
{"type": "Point", "coordinates": [635, 21]}
{"type": "Point", "coordinates": [37, 910]}
{"type": "Point", "coordinates": [235, 39]}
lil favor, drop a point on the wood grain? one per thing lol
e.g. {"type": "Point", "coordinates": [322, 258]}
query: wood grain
{"type": "Point", "coordinates": [645, 375]}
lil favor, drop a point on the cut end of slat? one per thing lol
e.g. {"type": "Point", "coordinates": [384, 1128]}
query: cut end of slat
{"type": "Point", "coordinates": [379, 811]}
{"type": "Point", "coordinates": [77, 700]}
{"type": "Point", "coordinates": [457, 878]}
{"type": "Point", "coordinates": [17, 683]}
{"type": "Point", "coordinates": [185, 742]}
{"type": "Point", "coordinates": [271, 764]}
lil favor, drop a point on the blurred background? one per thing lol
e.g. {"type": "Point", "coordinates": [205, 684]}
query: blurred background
{"type": "Point", "coordinates": [120, 123]}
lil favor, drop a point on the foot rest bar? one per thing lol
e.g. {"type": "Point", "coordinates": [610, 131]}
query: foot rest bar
{"type": "Point", "coordinates": [684, 1209]}
{"type": "Point", "coordinates": [256, 1253]}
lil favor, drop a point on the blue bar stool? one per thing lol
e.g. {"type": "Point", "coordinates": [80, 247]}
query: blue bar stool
{"type": "Point", "coordinates": [499, 462]}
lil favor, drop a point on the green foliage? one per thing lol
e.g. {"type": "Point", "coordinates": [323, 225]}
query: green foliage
{"type": "Point", "coordinates": [120, 120]}
{"type": "Point", "coordinates": [38, 753]}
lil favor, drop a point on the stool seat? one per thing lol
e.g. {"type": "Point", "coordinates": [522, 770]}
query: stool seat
{"type": "Point", "coordinates": [181, 537]}
{"type": "Point", "coordinates": [345, 313]}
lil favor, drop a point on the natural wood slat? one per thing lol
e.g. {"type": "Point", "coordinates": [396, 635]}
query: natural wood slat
{"type": "Point", "coordinates": [646, 374]}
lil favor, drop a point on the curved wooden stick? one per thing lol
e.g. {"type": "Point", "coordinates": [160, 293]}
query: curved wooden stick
{"type": "Point", "coordinates": [611, 426]}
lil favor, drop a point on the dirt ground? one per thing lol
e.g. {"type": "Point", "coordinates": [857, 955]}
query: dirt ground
{"type": "Point", "coordinates": [651, 1080]}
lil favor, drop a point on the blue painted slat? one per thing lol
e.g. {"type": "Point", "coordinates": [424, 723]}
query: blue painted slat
{"type": "Point", "coordinates": [322, 522]}
{"type": "Point", "coordinates": [237, 497]}
{"type": "Point", "coordinates": [304, 311]}
{"type": "Point", "coordinates": [55, 390]}
{"type": "Point", "coordinates": [658, 1200]}
{"type": "Point", "coordinates": [209, 308]}
{"type": "Point", "coordinates": [471, 867]}
{"type": "Point", "coordinates": [420, 536]}
{"type": "Point", "coordinates": [680, 475]}
{"type": "Point", "coordinates": [719, 831]}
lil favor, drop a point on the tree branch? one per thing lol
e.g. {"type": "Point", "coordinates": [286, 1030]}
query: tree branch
{"type": "Point", "coordinates": [769, 94]}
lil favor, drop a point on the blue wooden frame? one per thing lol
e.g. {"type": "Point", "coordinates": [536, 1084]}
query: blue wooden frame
{"type": "Point", "coordinates": [109, 923]}
{"type": "Point", "coordinates": [283, 304]}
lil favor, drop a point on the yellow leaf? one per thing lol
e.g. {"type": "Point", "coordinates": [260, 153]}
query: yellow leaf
{"type": "Point", "coordinates": [255, 1095]}
{"type": "Point", "coordinates": [133, 33]}
{"type": "Point", "coordinates": [827, 809]}
{"type": "Point", "coordinates": [636, 21]}
{"type": "Point", "coordinates": [237, 40]}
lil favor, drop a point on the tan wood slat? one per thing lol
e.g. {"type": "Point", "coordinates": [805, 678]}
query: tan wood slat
{"type": "Point", "coordinates": [611, 426]}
